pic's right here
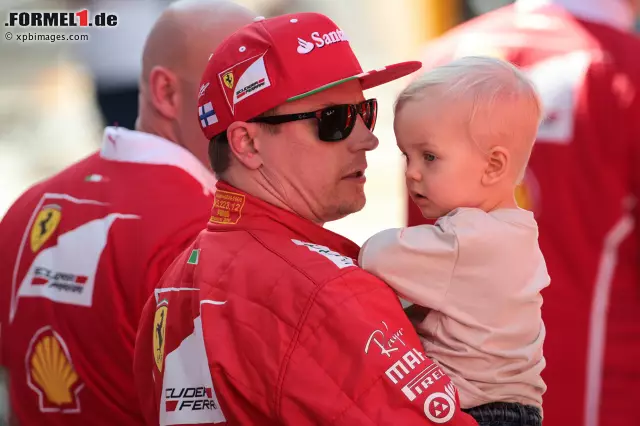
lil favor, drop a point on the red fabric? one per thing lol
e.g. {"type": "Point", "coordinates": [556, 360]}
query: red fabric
{"type": "Point", "coordinates": [167, 209]}
{"type": "Point", "coordinates": [301, 52]}
{"type": "Point", "coordinates": [291, 328]}
{"type": "Point", "coordinates": [579, 189]}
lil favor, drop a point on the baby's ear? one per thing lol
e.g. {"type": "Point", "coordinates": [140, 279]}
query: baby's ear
{"type": "Point", "coordinates": [497, 166]}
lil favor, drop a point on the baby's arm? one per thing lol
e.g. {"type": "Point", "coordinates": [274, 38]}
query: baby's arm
{"type": "Point", "coordinates": [417, 261]}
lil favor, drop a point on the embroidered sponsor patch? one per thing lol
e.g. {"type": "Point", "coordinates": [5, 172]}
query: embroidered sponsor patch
{"type": "Point", "coordinates": [227, 208]}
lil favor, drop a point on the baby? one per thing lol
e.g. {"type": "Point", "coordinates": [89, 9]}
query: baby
{"type": "Point", "coordinates": [467, 130]}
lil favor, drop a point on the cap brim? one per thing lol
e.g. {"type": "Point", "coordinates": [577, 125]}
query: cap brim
{"type": "Point", "coordinates": [370, 79]}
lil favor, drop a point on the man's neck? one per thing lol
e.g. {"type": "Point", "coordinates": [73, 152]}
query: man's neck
{"type": "Point", "coordinates": [150, 128]}
{"type": "Point", "coordinates": [263, 190]}
{"type": "Point", "coordinates": [255, 188]}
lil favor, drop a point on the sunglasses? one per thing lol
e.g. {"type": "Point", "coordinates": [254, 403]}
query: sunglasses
{"type": "Point", "coordinates": [336, 122]}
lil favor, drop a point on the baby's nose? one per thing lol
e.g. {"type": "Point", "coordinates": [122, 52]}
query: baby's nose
{"type": "Point", "coordinates": [413, 173]}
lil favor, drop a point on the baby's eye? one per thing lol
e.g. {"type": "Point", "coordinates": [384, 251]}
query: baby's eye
{"type": "Point", "coordinates": [429, 157]}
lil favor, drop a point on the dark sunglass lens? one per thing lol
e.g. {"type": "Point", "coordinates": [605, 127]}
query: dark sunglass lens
{"type": "Point", "coordinates": [334, 123]}
{"type": "Point", "coordinates": [369, 112]}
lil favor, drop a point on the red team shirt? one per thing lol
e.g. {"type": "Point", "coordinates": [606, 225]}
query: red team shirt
{"type": "Point", "coordinates": [582, 183]}
{"type": "Point", "coordinates": [80, 255]}
{"type": "Point", "coordinates": [266, 319]}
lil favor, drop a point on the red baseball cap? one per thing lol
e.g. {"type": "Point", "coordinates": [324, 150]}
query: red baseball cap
{"type": "Point", "coordinates": [276, 60]}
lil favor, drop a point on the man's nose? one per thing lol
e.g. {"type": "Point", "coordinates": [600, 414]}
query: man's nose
{"type": "Point", "coordinates": [363, 138]}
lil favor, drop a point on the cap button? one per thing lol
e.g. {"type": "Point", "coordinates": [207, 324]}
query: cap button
{"type": "Point", "coordinates": [258, 18]}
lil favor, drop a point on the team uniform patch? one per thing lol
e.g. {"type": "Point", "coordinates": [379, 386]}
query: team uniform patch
{"type": "Point", "coordinates": [244, 80]}
{"type": "Point", "coordinates": [46, 223]}
{"type": "Point", "coordinates": [51, 374]}
{"type": "Point", "coordinates": [159, 332]}
{"type": "Point", "coordinates": [65, 251]}
{"type": "Point", "coordinates": [227, 208]}
{"type": "Point", "coordinates": [188, 396]}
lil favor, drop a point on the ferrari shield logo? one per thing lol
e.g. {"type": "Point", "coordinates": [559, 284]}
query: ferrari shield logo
{"type": "Point", "coordinates": [46, 223]}
{"type": "Point", "coordinates": [228, 80]}
{"type": "Point", "coordinates": [159, 332]}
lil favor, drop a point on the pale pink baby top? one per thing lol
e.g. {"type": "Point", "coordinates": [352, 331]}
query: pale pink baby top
{"type": "Point", "coordinates": [481, 275]}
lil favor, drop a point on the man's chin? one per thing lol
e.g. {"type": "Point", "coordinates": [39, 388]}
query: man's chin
{"type": "Point", "coordinates": [348, 207]}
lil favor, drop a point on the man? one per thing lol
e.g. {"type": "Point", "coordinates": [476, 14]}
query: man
{"type": "Point", "coordinates": [82, 250]}
{"type": "Point", "coordinates": [266, 318]}
{"type": "Point", "coordinates": [582, 184]}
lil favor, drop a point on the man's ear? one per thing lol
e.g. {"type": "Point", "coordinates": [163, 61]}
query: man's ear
{"type": "Point", "coordinates": [164, 92]}
{"type": "Point", "coordinates": [245, 144]}
{"type": "Point", "coordinates": [497, 166]}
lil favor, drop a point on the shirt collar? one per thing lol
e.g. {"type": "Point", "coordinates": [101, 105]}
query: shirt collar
{"type": "Point", "coordinates": [614, 13]}
{"type": "Point", "coordinates": [235, 209]}
{"type": "Point", "coordinates": [120, 144]}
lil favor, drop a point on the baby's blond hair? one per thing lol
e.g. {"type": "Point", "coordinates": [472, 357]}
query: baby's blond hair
{"type": "Point", "coordinates": [501, 97]}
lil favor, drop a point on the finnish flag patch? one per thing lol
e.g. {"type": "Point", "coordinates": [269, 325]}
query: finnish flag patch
{"type": "Point", "coordinates": [207, 115]}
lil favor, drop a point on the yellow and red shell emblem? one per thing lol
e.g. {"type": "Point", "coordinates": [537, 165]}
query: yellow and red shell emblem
{"type": "Point", "coordinates": [527, 194]}
{"type": "Point", "coordinates": [51, 373]}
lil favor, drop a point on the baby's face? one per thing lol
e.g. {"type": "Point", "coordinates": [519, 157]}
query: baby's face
{"type": "Point", "coordinates": [444, 166]}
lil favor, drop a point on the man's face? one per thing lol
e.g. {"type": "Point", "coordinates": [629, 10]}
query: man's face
{"type": "Point", "coordinates": [321, 181]}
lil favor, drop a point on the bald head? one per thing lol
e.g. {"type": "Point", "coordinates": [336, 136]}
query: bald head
{"type": "Point", "coordinates": [174, 58]}
{"type": "Point", "coordinates": [187, 33]}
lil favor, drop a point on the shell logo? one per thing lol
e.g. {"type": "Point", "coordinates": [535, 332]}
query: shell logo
{"type": "Point", "coordinates": [523, 198]}
{"type": "Point", "coordinates": [527, 194]}
{"type": "Point", "coordinates": [51, 374]}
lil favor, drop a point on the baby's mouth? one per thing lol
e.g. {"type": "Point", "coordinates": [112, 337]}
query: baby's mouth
{"type": "Point", "coordinates": [419, 196]}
